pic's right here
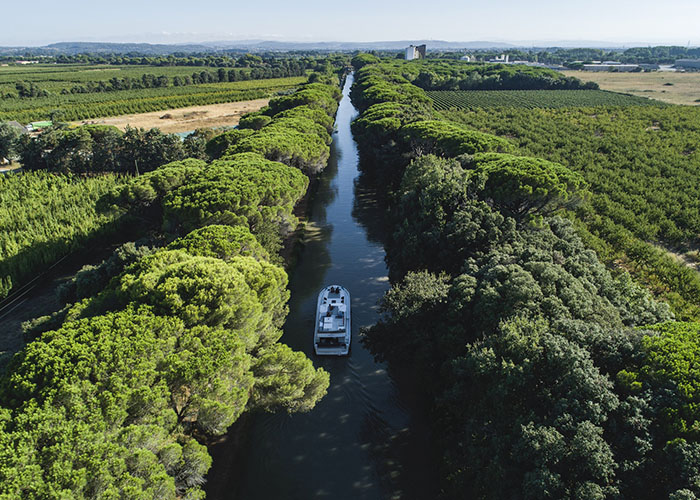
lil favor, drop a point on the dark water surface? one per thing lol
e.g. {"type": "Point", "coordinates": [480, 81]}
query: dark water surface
{"type": "Point", "coordinates": [363, 440]}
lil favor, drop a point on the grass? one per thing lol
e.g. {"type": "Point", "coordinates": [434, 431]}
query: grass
{"type": "Point", "coordinates": [665, 86]}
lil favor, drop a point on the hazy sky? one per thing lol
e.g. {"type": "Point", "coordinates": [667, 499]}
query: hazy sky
{"type": "Point", "coordinates": [173, 21]}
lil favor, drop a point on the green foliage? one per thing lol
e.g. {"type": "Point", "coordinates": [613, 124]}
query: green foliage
{"type": "Point", "coordinates": [520, 186]}
{"type": "Point", "coordinates": [459, 75]}
{"type": "Point", "coordinates": [90, 280]}
{"type": "Point", "coordinates": [254, 121]}
{"type": "Point", "coordinates": [117, 379]}
{"type": "Point", "coordinates": [287, 379]}
{"type": "Point", "coordinates": [222, 242]}
{"type": "Point", "coordinates": [439, 220]}
{"type": "Point", "coordinates": [473, 99]}
{"type": "Point", "coordinates": [446, 139]}
{"type": "Point", "coordinates": [246, 187]}
{"type": "Point", "coordinates": [361, 60]}
{"type": "Point", "coordinates": [634, 159]}
{"type": "Point", "coordinates": [145, 189]}
{"type": "Point", "coordinates": [533, 403]}
{"type": "Point", "coordinates": [83, 106]}
{"type": "Point", "coordinates": [314, 114]}
{"type": "Point", "coordinates": [160, 345]}
{"type": "Point", "coordinates": [99, 149]}
{"type": "Point", "coordinates": [44, 217]}
{"type": "Point", "coordinates": [518, 335]}
{"type": "Point", "coordinates": [319, 96]}
{"type": "Point", "coordinates": [218, 145]}
{"type": "Point", "coordinates": [640, 163]}
{"type": "Point", "coordinates": [304, 150]}
{"type": "Point", "coordinates": [671, 360]}
{"type": "Point", "coordinates": [8, 140]}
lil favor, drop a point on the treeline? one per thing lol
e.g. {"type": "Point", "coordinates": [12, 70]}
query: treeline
{"type": "Point", "coordinates": [150, 81]}
{"type": "Point", "coordinates": [542, 381]}
{"type": "Point", "coordinates": [274, 61]}
{"type": "Point", "coordinates": [458, 75]}
{"type": "Point", "coordinates": [661, 54]}
{"type": "Point", "coordinates": [100, 148]}
{"type": "Point", "coordinates": [177, 342]}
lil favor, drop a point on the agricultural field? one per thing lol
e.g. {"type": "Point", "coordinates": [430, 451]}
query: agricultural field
{"type": "Point", "coordinates": [44, 216]}
{"type": "Point", "coordinates": [641, 163]}
{"type": "Point", "coordinates": [55, 78]}
{"type": "Point", "coordinates": [469, 99]}
{"type": "Point", "coordinates": [666, 86]}
{"type": "Point", "coordinates": [81, 106]}
{"type": "Point", "coordinates": [184, 119]}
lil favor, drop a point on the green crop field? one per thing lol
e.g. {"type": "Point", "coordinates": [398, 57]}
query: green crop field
{"type": "Point", "coordinates": [469, 99]}
{"type": "Point", "coordinates": [93, 105]}
{"type": "Point", "coordinates": [54, 78]}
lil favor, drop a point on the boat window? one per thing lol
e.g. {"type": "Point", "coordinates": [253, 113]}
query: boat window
{"type": "Point", "coordinates": [330, 342]}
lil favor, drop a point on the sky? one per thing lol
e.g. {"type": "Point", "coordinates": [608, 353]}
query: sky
{"type": "Point", "coordinates": [176, 21]}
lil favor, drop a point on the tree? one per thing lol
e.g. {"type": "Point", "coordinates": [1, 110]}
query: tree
{"type": "Point", "coordinates": [287, 379]}
{"type": "Point", "coordinates": [522, 186]}
{"type": "Point", "coordinates": [446, 139]}
{"type": "Point", "coordinates": [8, 140]}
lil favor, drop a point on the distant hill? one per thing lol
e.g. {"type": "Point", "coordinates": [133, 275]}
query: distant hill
{"type": "Point", "coordinates": [150, 49]}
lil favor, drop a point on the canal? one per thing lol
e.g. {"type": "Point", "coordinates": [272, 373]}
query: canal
{"type": "Point", "coordinates": [364, 440]}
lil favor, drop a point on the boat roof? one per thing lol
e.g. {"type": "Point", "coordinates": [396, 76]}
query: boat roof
{"type": "Point", "coordinates": [332, 310]}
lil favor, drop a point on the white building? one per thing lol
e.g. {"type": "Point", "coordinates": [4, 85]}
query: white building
{"type": "Point", "coordinates": [415, 52]}
{"type": "Point", "coordinates": [503, 59]}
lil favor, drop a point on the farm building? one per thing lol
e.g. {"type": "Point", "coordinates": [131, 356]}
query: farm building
{"type": "Point", "coordinates": [415, 52]}
{"type": "Point", "coordinates": [36, 126]}
{"type": "Point", "coordinates": [503, 58]}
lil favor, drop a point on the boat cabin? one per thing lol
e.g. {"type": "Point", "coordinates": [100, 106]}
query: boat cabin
{"type": "Point", "coordinates": [332, 311]}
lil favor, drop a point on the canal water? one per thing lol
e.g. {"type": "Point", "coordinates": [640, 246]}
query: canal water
{"type": "Point", "coordinates": [363, 440]}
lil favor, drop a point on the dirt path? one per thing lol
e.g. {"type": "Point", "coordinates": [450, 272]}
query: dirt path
{"type": "Point", "coordinates": [185, 119]}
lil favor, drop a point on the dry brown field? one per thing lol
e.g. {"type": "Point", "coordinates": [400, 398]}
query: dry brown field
{"type": "Point", "coordinates": [667, 86]}
{"type": "Point", "coordinates": [185, 119]}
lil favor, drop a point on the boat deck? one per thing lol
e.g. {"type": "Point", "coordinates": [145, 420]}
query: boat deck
{"type": "Point", "coordinates": [332, 312]}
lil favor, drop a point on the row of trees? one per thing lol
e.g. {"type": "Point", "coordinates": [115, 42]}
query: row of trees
{"type": "Point", "coordinates": [542, 379]}
{"type": "Point", "coordinates": [275, 60]}
{"type": "Point", "coordinates": [661, 54]}
{"type": "Point", "coordinates": [99, 148]}
{"type": "Point", "coordinates": [432, 74]}
{"type": "Point", "coordinates": [149, 81]}
{"type": "Point", "coordinates": [157, 345]}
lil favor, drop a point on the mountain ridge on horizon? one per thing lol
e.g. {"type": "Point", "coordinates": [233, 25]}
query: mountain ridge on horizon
{"type": "Point", "coordinates": [261, 45]}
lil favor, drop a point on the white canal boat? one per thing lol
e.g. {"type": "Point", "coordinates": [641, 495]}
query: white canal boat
{"type": "Point", "coordinates": [332, 331]}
